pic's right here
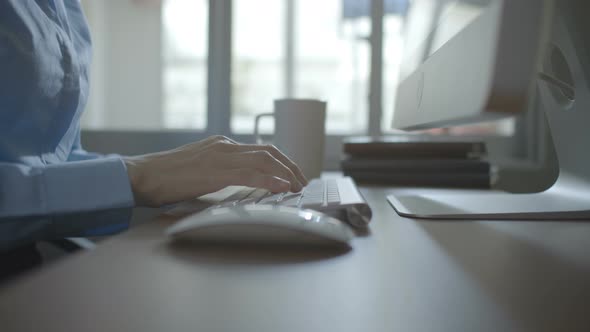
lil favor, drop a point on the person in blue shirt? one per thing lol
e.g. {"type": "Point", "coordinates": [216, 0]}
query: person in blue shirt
{"type": "Point", "coordinates": [50, 187]}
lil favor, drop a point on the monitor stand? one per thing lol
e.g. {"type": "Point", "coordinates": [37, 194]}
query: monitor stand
{"type": "Point", "coordinates": [569, 122]}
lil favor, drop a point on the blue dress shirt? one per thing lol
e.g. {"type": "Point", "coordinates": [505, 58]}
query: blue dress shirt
{"type": "Point", "coordinates": [49, 186]}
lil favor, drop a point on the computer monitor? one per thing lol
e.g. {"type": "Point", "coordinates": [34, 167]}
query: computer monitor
{"type": "Point", "coordinates": [468, 61]}
{"type": "Point", "coordinates": [476, 60]}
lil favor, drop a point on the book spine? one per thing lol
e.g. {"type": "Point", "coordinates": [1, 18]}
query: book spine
{"type": "Point", "coordinates": [415, 150]}
{"type": "Point", "coordinates": [416, 166]}
{"type": "Point", "coordinates": [482, 181]}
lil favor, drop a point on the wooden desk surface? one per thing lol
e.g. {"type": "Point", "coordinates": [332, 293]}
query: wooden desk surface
{"type": "Point", "coordinates": [406, 275]}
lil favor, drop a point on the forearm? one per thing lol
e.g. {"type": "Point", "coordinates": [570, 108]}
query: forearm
{"type": "Point", "coordinates": [69, 199]}
{"type": "Point", "coordinates": [24, 230]}
{"type": "Point", "coordinates": [70, 187]}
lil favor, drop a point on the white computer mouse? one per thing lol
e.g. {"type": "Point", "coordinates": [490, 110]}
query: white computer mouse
{"type": "Point", "coordinates": [262, 224]}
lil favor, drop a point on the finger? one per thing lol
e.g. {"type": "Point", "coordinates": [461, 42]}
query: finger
{"type": "Point", "coordinates": [274, 152]}
{"type": "Point", "coordinates": [253, 178]}
{"type": "Point", "coordinates": [266, 163]}
{"type": "Point", "coordinates": [227, 139]}
{"type": "Point", "coordinates": [218, 139]}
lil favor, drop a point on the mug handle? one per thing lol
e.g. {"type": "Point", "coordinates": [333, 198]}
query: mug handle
{"type": "Point", "coordinates": [257, 137]}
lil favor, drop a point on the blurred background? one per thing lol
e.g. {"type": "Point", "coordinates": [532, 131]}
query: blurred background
{"type": "Point", "coordinates": [158, 50]}
{"type": "Point", "coordinates": [167, 72]}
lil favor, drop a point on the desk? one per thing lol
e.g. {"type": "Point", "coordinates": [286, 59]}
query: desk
{"type": "Point", "coordinates": [407, 275]}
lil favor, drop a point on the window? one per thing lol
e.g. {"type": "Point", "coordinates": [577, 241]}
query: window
{"type": "Point", "coordinates": [257, 60]}
{"type": "Point", "coordinates": [393, 48]}
{"type": "Point", "coordinates": [184, 25]}
{"type": "Point", "coordinates": [301, 49]}
{"type": "Point", "coordinates": [332, 61]}
{"type": "Point", "coordinates": [150, 67]}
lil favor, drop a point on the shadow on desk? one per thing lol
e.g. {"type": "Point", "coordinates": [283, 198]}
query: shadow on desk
{"type": "Point", "coordinates": [515, 265]}
{"type": "Point", "coordinates": [218, 254]}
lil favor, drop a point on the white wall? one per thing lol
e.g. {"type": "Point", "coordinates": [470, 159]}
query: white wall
{"type": "Point", "coordinates": [126, 82]}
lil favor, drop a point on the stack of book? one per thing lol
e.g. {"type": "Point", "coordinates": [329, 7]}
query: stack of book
{"type": "Point", "coordinates": [417, 161]}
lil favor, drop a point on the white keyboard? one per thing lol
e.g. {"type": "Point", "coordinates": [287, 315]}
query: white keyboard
{"type": "Point", "coordinates": [337, 197]}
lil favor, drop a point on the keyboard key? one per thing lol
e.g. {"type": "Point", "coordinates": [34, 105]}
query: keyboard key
{"type": "Point", "coordinates": [255, 197]}
{"type": "Point", "coordinates": [291, 199]}
{"type": "Point", "coordinates": [311, 202]}
{"type": "Point", "coordinates": [272, 199]}
{"type": "Point", "coordinates": [333, 200]}
{"type": "Point", "coordinates": [332, 194]}
{"type": "Point", "coordinates": [239, 195]}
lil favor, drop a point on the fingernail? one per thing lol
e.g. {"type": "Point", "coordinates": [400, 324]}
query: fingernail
{"type": "Point", "coordinates": [282, 185]}
{"type": "Point", "coordinates": [302, 186]}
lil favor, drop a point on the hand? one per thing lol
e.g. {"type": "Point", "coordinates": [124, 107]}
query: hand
{"type": "Point", "coordinates": [207, 166]}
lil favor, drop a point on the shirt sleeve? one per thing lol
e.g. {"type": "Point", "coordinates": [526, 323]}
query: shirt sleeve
{"type": "Point", "coordinates": [75, 198]}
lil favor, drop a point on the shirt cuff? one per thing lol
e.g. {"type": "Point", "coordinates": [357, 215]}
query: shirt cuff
{"type": "Point", "coordinates": [89, 185]}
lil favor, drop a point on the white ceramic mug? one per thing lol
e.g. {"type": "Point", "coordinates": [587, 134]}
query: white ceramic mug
{"type": "Point", "coordinates": [299, 132]}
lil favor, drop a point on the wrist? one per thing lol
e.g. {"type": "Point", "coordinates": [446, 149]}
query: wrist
{"type": "Point", "coordinates": [135, 174]}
